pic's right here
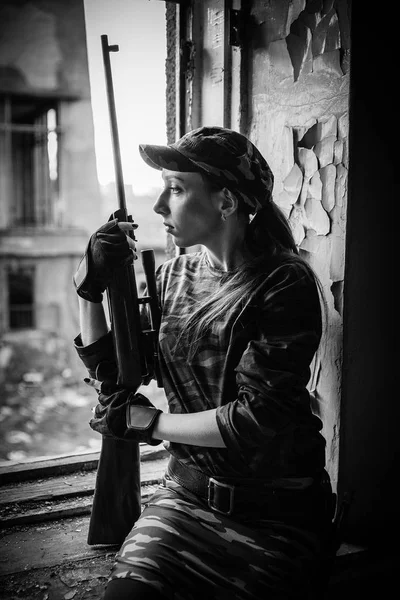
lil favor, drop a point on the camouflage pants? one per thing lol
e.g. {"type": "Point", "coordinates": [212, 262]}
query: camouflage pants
{"type": "Point", "coordinates": [186, 551]}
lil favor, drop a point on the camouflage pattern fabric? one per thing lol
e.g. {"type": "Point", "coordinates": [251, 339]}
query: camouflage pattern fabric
{"type": "Point", "coordinates": [187, 552]}
{"type": "Point", "coordinates": [228, 158]}
{"type": "Point", "coordinates": [254, 367]}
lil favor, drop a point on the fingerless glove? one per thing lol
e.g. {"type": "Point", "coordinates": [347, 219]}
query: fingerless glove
{"type": "Point", "coordinates": [107, 250]}
{"type": "Point", "coordinates": [126, 416]}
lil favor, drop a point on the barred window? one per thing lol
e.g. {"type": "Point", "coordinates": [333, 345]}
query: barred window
{"type": "Point", "coordinates": [29, 151]}
{"type": "Point", "coordinates": [21, 301]}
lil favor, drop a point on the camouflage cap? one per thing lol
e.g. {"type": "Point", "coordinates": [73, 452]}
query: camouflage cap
{"type": "Point", "coordinates": [226, 156]}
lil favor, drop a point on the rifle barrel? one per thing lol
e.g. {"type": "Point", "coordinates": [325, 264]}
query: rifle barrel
{"type": "Point", "coordinates": [119, 179]}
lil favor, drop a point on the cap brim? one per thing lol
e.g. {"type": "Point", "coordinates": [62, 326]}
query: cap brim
{"type": "Point", "coordinates": [166, 157]}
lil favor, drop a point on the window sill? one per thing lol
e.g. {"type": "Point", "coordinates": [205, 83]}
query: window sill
{"type": "Point", "coordinates": [44, 512]}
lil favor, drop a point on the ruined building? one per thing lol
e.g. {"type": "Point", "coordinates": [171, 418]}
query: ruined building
{"type": "Point", "coordinates": [49, 191]}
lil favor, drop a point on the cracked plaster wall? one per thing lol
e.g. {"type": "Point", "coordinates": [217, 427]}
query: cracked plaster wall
{"type": "Point", "coordinates": [298, 117]}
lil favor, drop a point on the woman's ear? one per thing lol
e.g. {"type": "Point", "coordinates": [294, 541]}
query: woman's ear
{"type": "Point", "coordinates": [229, 203]}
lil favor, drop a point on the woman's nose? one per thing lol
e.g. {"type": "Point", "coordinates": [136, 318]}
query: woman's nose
{"type": "Point", "coordinates": [160, 207]}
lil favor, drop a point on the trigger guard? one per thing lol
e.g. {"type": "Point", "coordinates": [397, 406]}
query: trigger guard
{"type": "Point", "coordinates": [106, 370]}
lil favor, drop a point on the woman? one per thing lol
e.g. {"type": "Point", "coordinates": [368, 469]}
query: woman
{"type": "Point", "coordinates": [244, 507]}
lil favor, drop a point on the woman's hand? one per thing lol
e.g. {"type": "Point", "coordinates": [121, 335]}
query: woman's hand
{"type": "Point", "coordinates": [122, 414]}
{"type": "Point", "coordinates": [109, 248]}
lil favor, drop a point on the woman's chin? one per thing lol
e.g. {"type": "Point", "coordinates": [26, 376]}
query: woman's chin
{"type": "Point", "coordinates": [182, 241]}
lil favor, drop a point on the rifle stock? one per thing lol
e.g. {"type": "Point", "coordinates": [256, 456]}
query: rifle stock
{"type": "Point", "coordinates": [117, 495]}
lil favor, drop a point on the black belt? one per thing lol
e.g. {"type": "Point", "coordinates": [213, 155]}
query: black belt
{"type": "Point", "coordinates": [249, 497]}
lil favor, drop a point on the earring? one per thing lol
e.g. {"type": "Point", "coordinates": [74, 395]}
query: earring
{"type": "Point", "coordinates": [223, 216]}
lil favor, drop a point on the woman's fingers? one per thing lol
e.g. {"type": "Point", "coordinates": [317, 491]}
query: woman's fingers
{"type": "Point", "coordinates": [128, 229]}
{"type": "Point", "coordinates": [132, 245]}
{"type": "Point", "coordinates": [93, 383]}
{"type": "Point", "coordinates": [106, 387]}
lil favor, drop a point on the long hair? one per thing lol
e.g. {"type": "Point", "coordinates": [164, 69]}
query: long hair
{"type": "Point", "coordinates": [269, 243]}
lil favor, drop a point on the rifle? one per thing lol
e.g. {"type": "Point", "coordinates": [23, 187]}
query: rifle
{"type": "Point", "coordinates": [117, 497]}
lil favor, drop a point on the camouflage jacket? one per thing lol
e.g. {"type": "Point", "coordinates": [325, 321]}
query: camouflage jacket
{"type": "Point", "coordinates": [253, 366]}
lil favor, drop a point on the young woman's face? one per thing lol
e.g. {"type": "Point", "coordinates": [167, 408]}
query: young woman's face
{"type": "Point", "coordinates": [191, 212]}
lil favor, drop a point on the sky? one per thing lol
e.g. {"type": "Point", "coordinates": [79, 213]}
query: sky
{"type": "Point", "coordinates": [138, 72]}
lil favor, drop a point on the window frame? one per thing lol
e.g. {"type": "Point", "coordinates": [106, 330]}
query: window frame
{"type": "Point", "coordinates": [40, 187]}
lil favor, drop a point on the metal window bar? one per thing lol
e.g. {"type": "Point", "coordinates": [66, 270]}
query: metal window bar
{"type": "Point", "coordinates": [23, 207]}
{"type": "Point", "coordinates": [41, 176]}
{"type": "Point", "coordinates": [21, 316]}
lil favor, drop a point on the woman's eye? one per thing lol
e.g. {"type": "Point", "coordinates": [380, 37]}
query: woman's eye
{"type": "Point", "coordinates": [175, 189]}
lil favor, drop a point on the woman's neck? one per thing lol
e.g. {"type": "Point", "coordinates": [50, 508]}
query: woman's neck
{"type": "Point", "coordinates": [224, 264]}
{"type": "Point", "coordinates": [228, 251]}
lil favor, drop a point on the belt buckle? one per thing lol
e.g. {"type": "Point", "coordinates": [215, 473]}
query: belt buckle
{"type": "Point", "coordinates": [213, 485]}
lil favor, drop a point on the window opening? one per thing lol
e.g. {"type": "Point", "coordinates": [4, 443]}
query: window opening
{"type": "Point", "coordinates": [21, 298]}
{"type": "Point", "coordinates": [46, 404]}
{"type": "Point", "coordinates": [29, 142]}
